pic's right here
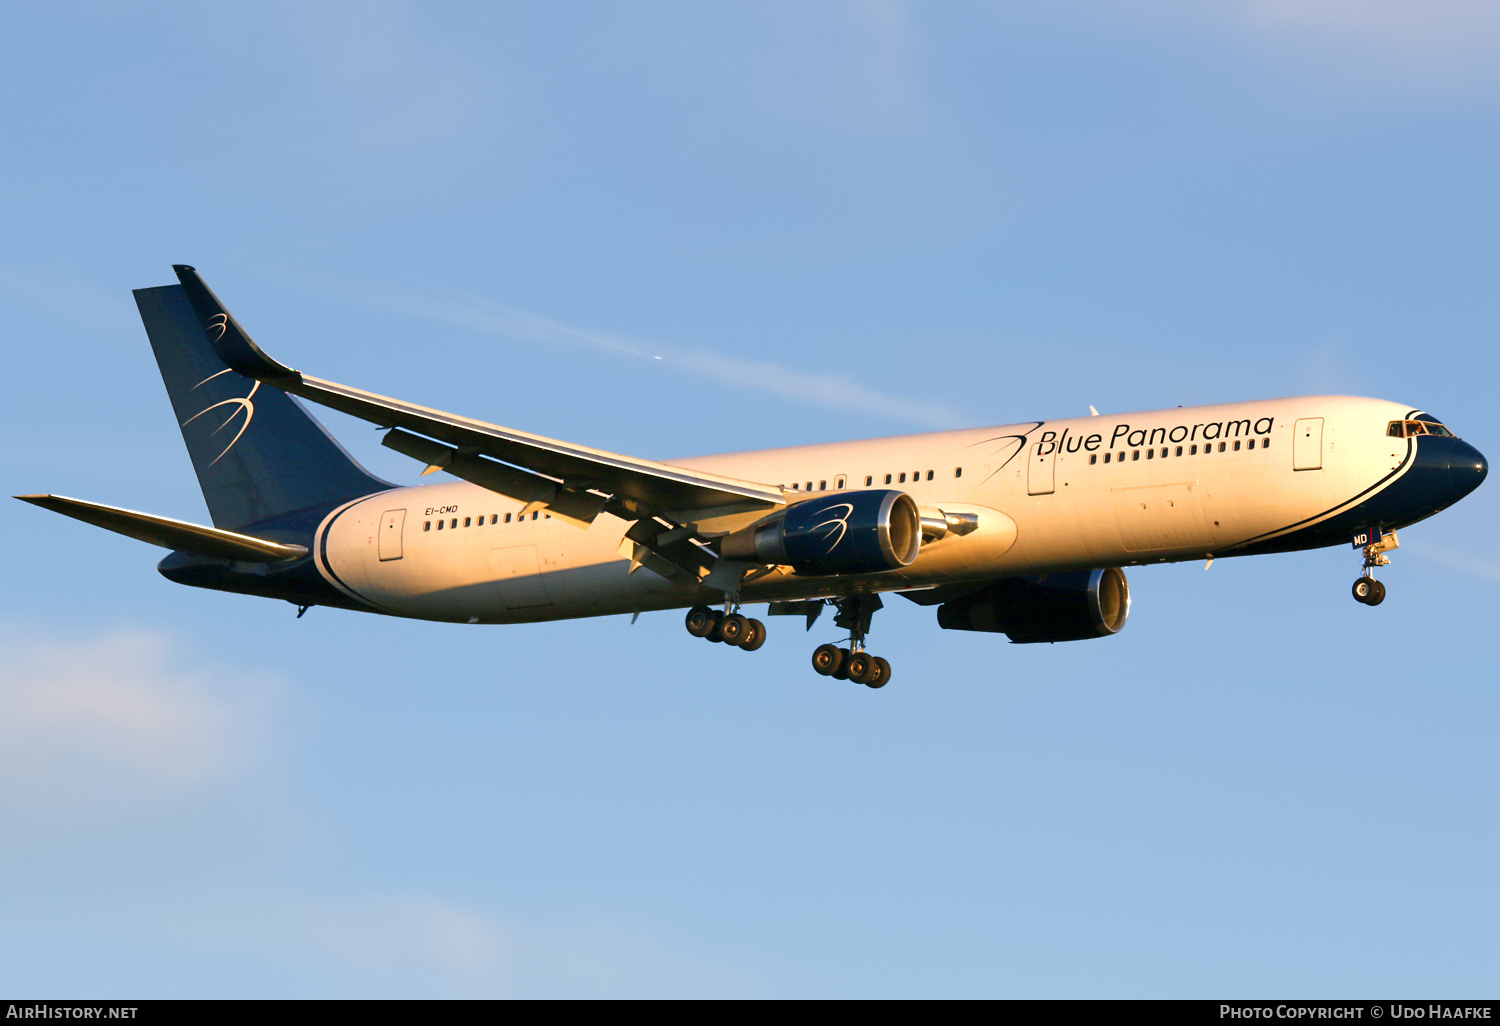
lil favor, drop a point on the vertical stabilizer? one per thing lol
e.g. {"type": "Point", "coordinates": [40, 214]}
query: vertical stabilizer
{"type": "Point", "coordinates": [257, 451]}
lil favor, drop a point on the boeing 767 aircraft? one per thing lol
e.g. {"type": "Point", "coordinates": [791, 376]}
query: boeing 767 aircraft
{"type": "Point", "coordinates": [1021, 530]}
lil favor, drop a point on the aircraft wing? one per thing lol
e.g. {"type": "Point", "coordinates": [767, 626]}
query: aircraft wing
{"type": "Point", "coordinates": [573, 481]}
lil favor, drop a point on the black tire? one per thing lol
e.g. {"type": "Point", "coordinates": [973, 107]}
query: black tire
{"type": "Point", "coordinates": [699, 621]}
{"type": "Point", "coordinates": [1377, 595]}
{"type": "Point", "coordinates": [828, 659]}
{"type": "Point", "coordinates": [842, 673]}
{"type": "Point", "coordinates": [713, 632]}
{"type": "Point", "coordinates": [756, 637]}
{"type": "Point", "coordinates": [1363, 588]}
{"type": "Point", "coordinates": [883, 678]}
{"type": "Point", "coordinates": [733, 629]}
{"type": "Point", "coordinates": [862, 667]}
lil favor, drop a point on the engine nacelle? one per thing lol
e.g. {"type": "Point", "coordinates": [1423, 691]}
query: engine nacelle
{"type": "Point", "coordinates": [1069, 606]}
{"type": "Point", "coordinates": [861, 532]}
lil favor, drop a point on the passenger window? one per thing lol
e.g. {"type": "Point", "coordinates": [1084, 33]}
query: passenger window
{"type": "Point", "coordinates": [929, 475]}
{"type": "Point", "coordinates": [533, 516]}
{"type": "Point", "coordinates": [1135, 454]}
{"type": "Point", "coordinates": [507, 518]}
{"type": "Point", "coordinates": [440, 525]}
{"type": "Point", "coordinates": [887, 479]}
{"type": "Point", "coordinates": [427, 525]}
{"type": "Point", "coordinates": [822, 486]}
{"type": "Point", "coordinates": [869, 480]}
{"type": "Point", "coordinates": [1236, 446]}
{"type": "Point", "coordinates": [1192, 450]}
{"type": "Point", "coordinates": [467, 521]}
{"type": "Point", "coordinates": [1179, 450]}
{"type": "Point", "coordinates": [1265, 443]}
{"type": "Point", "coordinates": [840, 481]}
{"type": "Point", "coordinates": [453, 523]}
{"type": "Point", "coordinates": [809, 486]}
{"type": "Point", "coordinates": [796, 487]}
{"type": "Point", "coordinates": [1093, 460]}
{"type": "Point", "coordinates": [1150, 454]}
{"type": "Point", "coordinates": [1221, 446]}
{"type": "Point", "coordinates": [494, 518]}
{"type": "Point", "coordinates": [903, 479]}
{"type": "Point", "coordinates": [1106, 457]}
{"type": "Point", "coordinates": [1250, 444]}
{"type": "Point", "coordinates": [1164, 452]}
{"type": "Point", "coordinates": [958, 471]}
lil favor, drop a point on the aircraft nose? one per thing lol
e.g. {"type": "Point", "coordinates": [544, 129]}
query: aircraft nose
{"type": "Point", "coordinates": [1467, 468]}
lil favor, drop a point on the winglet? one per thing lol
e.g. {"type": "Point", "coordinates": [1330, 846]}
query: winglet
{"type": "Point", "coordinates": [231, 342]}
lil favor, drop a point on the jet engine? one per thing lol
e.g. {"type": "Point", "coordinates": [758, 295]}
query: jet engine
{"type": "Point", "coordinates": [1070, 606]}
{"type": "Point", "coordinates": [858, 532]}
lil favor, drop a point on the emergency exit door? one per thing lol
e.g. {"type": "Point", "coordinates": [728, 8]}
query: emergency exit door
{"type": "Point", "coordinates": [392, 521]}
{"type": "Point", "coordinates": [1040, 472]}
{"type": "Point", "coordinates": [1307, 444]}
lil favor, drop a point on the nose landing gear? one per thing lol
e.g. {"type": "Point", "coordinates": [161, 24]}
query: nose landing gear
{"type": "Point", "coordinates": [1367, 589]}
{"type": "Point", "coordinates": [853, 663]}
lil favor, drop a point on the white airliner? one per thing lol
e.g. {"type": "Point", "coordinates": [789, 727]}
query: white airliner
{"type": "Point", "coordinates": [1021, 530]}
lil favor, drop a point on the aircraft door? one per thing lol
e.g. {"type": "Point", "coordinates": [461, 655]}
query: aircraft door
{"type": "Point", "coordinates": [1040, 469]}
{"type": "Point", "coordinates": [518, 577]}
{"type": "Point", "coordinates": [392, 521]}
{"type": "Point", "coordinates": [1307, 444]}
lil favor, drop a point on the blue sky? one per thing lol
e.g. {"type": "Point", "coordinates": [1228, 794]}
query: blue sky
{"type": "Point", "coordinates": [828, 221]}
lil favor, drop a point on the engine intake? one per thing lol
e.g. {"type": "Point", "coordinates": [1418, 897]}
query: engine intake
{"type": "Point", "coordinates": [859, 532]}
{"type": "Point", "coordinates": [1071, 606]}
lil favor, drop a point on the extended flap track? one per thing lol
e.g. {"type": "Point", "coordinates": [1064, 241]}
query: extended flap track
{"type": "Point", "coordinates": [569, 501]}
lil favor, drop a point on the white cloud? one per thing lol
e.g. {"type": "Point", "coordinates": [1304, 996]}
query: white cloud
{"type": "Point", "coordinates": [836, 391]}
{"type": "Point", "coordinates": [93, 731]}
{"type": "Point", "coordinates": [99, 734]}
{"type": "Point", "coordinates": [1427, 27]}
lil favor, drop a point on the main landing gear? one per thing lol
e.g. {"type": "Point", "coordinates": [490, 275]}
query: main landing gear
{"type": "Point", "coordinates": [853, 663]}
{"type": "Point", "coordinates": [729, 628]}
{"type": "Point", "coordinates": [1367, 589]}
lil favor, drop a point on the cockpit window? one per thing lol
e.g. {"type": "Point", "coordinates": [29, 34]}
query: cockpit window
{"type": "Point", "coordinates": [1410, 428]}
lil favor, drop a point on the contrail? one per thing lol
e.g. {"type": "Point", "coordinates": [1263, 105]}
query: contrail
{"type": "Point", "coordinates": [837, 391]}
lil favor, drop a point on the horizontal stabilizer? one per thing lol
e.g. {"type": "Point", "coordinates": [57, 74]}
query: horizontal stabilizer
{"type": "Point", "coordinates": [169, 533]}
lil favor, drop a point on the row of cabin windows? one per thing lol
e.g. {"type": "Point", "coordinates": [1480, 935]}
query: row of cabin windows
{"type": "Point", "coordinates": [1167, 450]}
{"type": "Point", "coordinates": [495, 518]}
{"type": "Point", "coordinates": [916, 475]}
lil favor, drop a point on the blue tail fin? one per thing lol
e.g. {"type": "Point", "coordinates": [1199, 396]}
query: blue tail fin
{"type": "Point", "coordinates": [257, 452]}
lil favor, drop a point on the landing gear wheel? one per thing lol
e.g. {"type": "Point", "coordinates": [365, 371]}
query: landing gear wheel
{"type": "Point", "coordinates": [862, 668]}
{"type": "Point", "coordinates": [1377, 594]}
{"type": "Point", "coordinates": [755, 636]}
{"type": "Point", "coordinates": [715, 632]}
{"type": "Point", "coordinates": [733, 629]}
{"type": "Point", "coordinates": [883, 678]}
{"type": "Point", "coordinates": [1364, 590]}
{"type": "Point", "coordinates": [700, 620]}
{"type": "Point", "coordinates": [842, 673]}
{"type": "Point", "coordinates": [828, 659]}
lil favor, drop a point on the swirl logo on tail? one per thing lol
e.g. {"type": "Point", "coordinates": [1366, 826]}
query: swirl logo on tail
{"type": "Point", "coordinates": [239, 405]}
